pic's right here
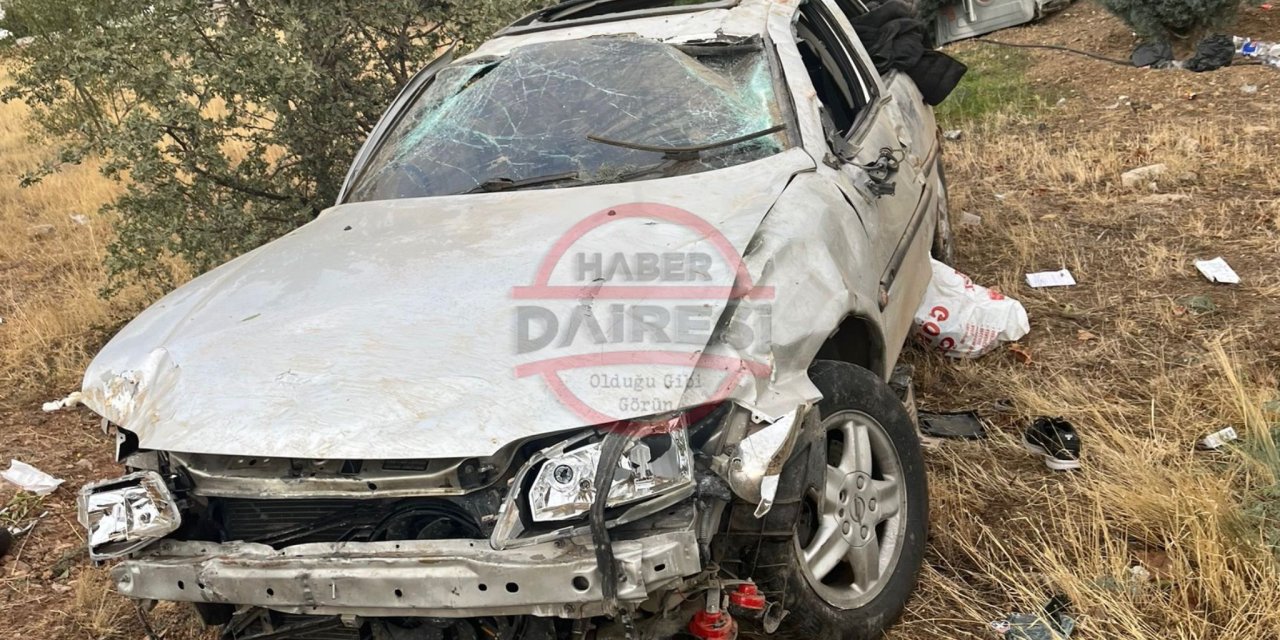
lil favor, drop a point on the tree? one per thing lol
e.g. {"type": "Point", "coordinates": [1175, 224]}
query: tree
{"type": "Point", "coordinates": [1163, 20]}
{"type": "Point", "coordinates": [229, 122]}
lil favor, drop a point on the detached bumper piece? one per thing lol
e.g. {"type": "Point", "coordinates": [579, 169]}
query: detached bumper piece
{"type": "Point", "coordinates": [436, 578]}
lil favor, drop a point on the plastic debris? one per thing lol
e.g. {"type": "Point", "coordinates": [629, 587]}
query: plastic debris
{"type": "Point", "coordinates": [1249, 89]}
{"type": "Point", "coordinates": [1139, 573]}
{"type": "Point", "coordinates": [963, 425]}
{"type": "Point", "coordinates": [953, 134]}
{"type": "Point", "coordinates": [1216, 439]}
{"type": "Point", "coordinates": [1051, 624]}
{"type": "Point", "coordinates": [970, 219]}
{"type": "Point", "coordinates": [1199, 305]}
{"type": "Point", "coordinates": [1020, 353]}
{"type": "Point", "coordinates": [1217, 270]}
{"type": "Point", "coordinates": [1266, 52]}
{"type": "Point", "coordinates": [1059, 278]}
{"type": "Point", "coordinates": [1136, 177]}
{"type": "Point", "coordinates": [80, 219]}
{"type": "Point", "coordinates": [30, 478]}
{"type": "Point", "coordinates": [71, 400]}
{"type": "Point", "coordinates": [965, 320]}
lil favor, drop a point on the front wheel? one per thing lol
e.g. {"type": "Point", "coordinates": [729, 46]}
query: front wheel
{"type": "Point", "coordinates": [852, 562]}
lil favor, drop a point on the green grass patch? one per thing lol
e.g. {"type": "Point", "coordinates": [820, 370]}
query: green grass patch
{"type": "Point", "coordinates": [996, 83]}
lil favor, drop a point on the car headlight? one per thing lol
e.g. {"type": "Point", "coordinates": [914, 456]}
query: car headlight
{"type": "Point", "coordinates": [127, 514]}
{"type": "Point", "coordinates": [657, 461]}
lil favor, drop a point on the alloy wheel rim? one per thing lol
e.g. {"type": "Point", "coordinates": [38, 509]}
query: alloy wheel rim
{"type": "Point", "coordinates": [860, 510]}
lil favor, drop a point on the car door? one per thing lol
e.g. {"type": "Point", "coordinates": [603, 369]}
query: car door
{"type": "Point", "coordinates": [877, 172]}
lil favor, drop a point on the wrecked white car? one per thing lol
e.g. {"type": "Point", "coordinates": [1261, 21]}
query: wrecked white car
{"type": "Point", "coordinates": [595, 345]}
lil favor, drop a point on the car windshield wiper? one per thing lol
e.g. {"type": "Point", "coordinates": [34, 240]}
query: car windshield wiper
{"type": "Point", "coordinates": [493, 185]}
{"type": "Point", "coordinates": [690, 152]}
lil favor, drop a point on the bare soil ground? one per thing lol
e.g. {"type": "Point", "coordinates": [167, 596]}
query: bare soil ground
{"type": "Point", "coordinates": [1133, 355]}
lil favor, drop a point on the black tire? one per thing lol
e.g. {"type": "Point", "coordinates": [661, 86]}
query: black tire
{"type": "Point", "coordinates": [782, 571]}
{"type": "Point", "coordinates": [944, 239]}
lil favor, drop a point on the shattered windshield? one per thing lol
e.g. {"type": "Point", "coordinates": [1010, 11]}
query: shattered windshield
{"type": "Point", "coordinates": [525, 120]}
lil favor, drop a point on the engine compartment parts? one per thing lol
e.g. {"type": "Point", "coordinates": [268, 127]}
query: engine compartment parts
{"type": "Point", "coordinates": [127, 514]}
{"type": "Point", "coordinates": [564, 486]}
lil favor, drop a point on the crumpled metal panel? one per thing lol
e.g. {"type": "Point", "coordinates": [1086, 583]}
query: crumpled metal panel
{"type": "Point", "coordinates": [443, 578]}
{"type": "Point", "coordinates": [386, 329]}
{"type": "Point", "coordinates": [382, 330]}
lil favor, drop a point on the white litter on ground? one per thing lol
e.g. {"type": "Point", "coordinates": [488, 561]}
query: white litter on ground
{"type": "Point", "coordinates": [1219, 438]}
{"type": "Point", "coordinates": [1217, 270]}
{"type": "Point", "coordinates": [71, 400]}
{"type": "Point", "coordinates": [963, 320]}
{"type": "Point", "coordinates": [1059, 278]}
{"type": "Point", "coordinates": [30, 478]}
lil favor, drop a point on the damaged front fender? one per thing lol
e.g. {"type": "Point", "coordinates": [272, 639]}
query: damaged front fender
{"type": "Point", "coordinates": [752, 467]}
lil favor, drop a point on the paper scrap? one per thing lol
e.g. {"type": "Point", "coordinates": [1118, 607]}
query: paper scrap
{"type": "Point", "coordinates": [1060, 278]}
{"type": "Point", "coordinates": [1217, 270]}
{"type": "Point", "coordinates": [1219, 438]}
{"type": "Point", "coordinates": [71, 400]}
{"type": "Point", "coordinates": [30, 478]}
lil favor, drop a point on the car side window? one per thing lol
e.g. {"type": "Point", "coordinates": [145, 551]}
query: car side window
{"type": "Point", "coordinates": [852, 8]}
{"type": "Point", "coordinates": [830, 59]}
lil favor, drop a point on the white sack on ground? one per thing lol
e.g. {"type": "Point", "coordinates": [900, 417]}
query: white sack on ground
{"type": "Point", "coordinates": [965, 320]}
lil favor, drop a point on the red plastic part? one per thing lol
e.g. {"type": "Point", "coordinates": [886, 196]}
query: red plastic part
{"type": "Point", "coordinates": [713, 626]}
{"type": "Point", "coordinates": [748, 597]}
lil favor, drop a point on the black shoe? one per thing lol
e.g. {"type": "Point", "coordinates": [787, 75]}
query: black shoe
{"type": "Point", "coordinates": [1056, 440]}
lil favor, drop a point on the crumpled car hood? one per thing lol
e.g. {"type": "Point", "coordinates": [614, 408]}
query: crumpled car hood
{"type": "Point", "coordinates": [388, 329]}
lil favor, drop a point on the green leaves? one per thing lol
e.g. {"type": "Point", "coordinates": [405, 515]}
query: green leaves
{"type": "Point", "coordinates": [230, 123]}
{"type": "Point", "coordinates": [1164, 20]}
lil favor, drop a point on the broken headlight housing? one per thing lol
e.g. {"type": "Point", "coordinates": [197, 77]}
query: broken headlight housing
{"type": "Point", "coordinates": [657, 460]}
{"type": "Point", "coordinates": [127, 514]}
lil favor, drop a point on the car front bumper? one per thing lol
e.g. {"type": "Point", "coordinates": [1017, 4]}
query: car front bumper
{"type": "Point", "coordinates": [438, 578]}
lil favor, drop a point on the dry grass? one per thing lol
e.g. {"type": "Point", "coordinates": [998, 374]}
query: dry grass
{"type": "Point", "coordinates": [1121, 355]}
{"type": "Point", "coordinates": [50, 266]}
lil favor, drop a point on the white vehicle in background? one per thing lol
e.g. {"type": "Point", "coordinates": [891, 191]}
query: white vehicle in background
{"type": "Point", "coordinates": [972, 18]}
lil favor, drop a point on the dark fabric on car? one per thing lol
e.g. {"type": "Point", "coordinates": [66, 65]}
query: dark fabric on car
{"type": "Point", "coordinates": [897, 40]}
